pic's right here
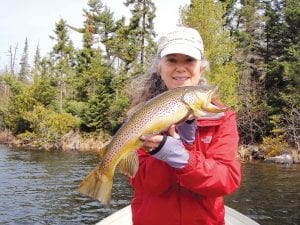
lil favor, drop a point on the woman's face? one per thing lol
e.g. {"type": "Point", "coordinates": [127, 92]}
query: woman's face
{"type": "Point", "coordinates": [178, 70]}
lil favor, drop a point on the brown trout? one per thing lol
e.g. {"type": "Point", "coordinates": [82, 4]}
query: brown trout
{"type": "Point", "coordinates": [155, 116]}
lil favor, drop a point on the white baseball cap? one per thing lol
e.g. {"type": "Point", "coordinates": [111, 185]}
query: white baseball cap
{"type": "Point", "coordinates": [181, 40]}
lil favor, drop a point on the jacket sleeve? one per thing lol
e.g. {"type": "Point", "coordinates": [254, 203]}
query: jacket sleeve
{"type": "Point", "coordinates": [153, 176]}
{"type": "Point", "coordinates": [215, 171]}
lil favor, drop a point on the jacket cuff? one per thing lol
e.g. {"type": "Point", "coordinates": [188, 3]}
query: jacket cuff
{"type": "Point", "coordinates": [173, 153]}
{"type": "Point", "coordinates": [162, 143]}
{"type": "Point", "coordinates": [191, 164]}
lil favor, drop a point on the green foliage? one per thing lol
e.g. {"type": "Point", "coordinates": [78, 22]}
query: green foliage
{"type": "Point", "coordinates": [282, 80]}
{"type": "Point", "coordinates": [119, 105]}
{"type": "Point", "coordinates": [15, 86]}
{"type": "Point", "coordinates": [273, 146]}
{"type": "Point", "coordinates": [3, 105]}
{"type": "Point", "coordinates": [276, 143]}
{"type": "Point", "coordinates": [26, 110]}
{"type": "Point", "coordinates": [141, 33]}
{"type": "Point", "coordinates": [252, 46]}
{"type": "Point", "coordinates": [37, 67]}
{"type": "Point", "coordinates": [52, 129]}
{"type": "Point", "coordinates": [43, 91]}
{"type": "Point", "coordinates": [63, 56]}
{"type": "Point", "coordinates": [219, 46]}
{"type": "Point", "coordinates": [24, 74]}
{"type": "Point", "coordinates": [75, 108]}
{"type": "Point", "coordinates": [19, 104]}
{"type": "Point", "coordinates": [95, 116]}
{"type": "Point", "coordinates": [4, 95]}
{"type": "Point", "coordinates": [98, 89]}
{"type": "Point", "coordinates": [28, 138]}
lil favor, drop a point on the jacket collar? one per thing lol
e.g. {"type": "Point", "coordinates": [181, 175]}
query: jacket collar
{"type": "Point", "coordinates": [211, 119]}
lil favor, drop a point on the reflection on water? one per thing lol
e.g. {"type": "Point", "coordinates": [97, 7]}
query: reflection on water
{"type": "Point", "coordinates": [269, 194]}
{"type": "Point", "coordinates": [40, 187]}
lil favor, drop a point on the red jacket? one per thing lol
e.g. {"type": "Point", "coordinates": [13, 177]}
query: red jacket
{"type": "Point", "coordinates": [193, 194]}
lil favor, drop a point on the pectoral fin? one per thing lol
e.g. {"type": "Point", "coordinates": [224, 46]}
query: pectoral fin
{"type": "Point", "coordinates": [129, 165]}
{"type": "Point", "coordinates": [188, 98]}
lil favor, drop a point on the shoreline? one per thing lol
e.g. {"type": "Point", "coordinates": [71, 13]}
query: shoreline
{"type": "Point", "coordinates": [74, 141]}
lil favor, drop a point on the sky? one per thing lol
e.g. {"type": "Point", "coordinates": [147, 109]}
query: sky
{"type": "Point", "coordinates": [35, 20]}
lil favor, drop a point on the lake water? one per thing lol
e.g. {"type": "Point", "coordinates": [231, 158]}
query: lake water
{"type": "Point", "coordinates": [39, 187]}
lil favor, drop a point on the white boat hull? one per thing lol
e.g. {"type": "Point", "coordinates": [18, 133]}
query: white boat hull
{"type": "Point", "coordinates": [123, 217]}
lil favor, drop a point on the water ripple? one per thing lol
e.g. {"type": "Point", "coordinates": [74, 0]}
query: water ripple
{"type": "Point", "coordinates": [40, 188]}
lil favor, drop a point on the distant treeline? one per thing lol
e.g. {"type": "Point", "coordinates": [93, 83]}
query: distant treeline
{"type": "Point", "coordinates": [252, 46]}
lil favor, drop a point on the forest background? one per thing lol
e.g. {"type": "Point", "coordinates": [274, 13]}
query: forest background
{"type": "Point", "coordinates": [252, 46]}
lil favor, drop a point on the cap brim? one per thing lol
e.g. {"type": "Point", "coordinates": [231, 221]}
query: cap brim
{"type": "Point", "coordinates": [181, 49]}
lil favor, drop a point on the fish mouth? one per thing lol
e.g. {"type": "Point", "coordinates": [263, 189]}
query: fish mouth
{"type": "Point", "coordinates": [210, 107]}
{"type": "Point", "coordinates": [212, 93]}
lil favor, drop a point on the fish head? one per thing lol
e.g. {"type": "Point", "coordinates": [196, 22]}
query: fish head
{"type": "Point", "coordinates": [200, 102]}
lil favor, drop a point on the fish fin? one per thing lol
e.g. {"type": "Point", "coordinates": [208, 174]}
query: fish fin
{"type": "Point", "coordinates": [102, 151]}
{"type": "Point", "coordinates": [134, 109]}
{"type": "Point", "coordinates": [129, 165]}
{"type": "Point", "coordinates": [98, 186]}
{"type": "Point", "coordinates": [188, 98]}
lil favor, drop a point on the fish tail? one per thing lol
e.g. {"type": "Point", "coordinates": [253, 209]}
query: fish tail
{"type": "Point", "coordinates": [98, 186]}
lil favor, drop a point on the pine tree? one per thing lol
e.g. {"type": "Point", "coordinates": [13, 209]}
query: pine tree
{"type": "Point", "coordinates": [24, 74]}
{"type": "Point", "coordinates": [62, 56]}
{"type": "Point", "coordinates": [253, 113]}
{"type": "Point", "coordinates": [103, 24]}
{"type": "Point", "coordinates": [208, 18]}
{"type": "Point", "coordinates": [98, 85]}
{"type": "Point", "coordinates": [85, 57]}
{"type": "Point", "coordinates": [141, 33]}
{"type": "Point", "coordinates": [36, 71]}
{"type": "Point", "coordinates": [283, 66]}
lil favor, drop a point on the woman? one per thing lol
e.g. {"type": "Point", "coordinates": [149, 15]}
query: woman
{"type": "Point", "coordinates": [183, 177]}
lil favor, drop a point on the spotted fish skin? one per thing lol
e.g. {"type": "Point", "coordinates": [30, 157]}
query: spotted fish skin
{"type": "Point", "coordinates": [156, 116]}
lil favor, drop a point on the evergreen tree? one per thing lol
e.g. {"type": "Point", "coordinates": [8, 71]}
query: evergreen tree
{"type": "Point", "coordinates": [21, 101]}
{"type": "Point", "coordinates": [141, 33]}
{"type": "Point", "coordinates": [85, 55]}
{"type": "Point", "coordinates": [283, 66]}
{"type": "Point", "coordinates": [104, 25]}
{"type": "Point", "coordinates": [24, 74]}
{"type": "Point", "coordinates": [208, 18]}
{"type": "Point", "coordinates": [62, 56]}
{"type": "Point", "coordinates": [98, 85]}
{"type": "Point", "coordinates": [36, 71]}
{"type": "Point", "coordinates": [253, 113]}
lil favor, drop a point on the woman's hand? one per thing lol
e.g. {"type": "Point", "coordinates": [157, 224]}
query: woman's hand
{"type": "Point", "coordinates": [152, 141]}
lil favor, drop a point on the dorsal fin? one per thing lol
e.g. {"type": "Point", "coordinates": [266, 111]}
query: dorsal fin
{"type": "Point", "coordinates": [102, 151]}
{"type": "Point", "coordinates": [134, 109]}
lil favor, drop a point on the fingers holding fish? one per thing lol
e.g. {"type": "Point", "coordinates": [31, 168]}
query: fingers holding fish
{"type": "Point", "coordinates": [173, 132]}
{"type": "Point", "coordinates": [152, 141]}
